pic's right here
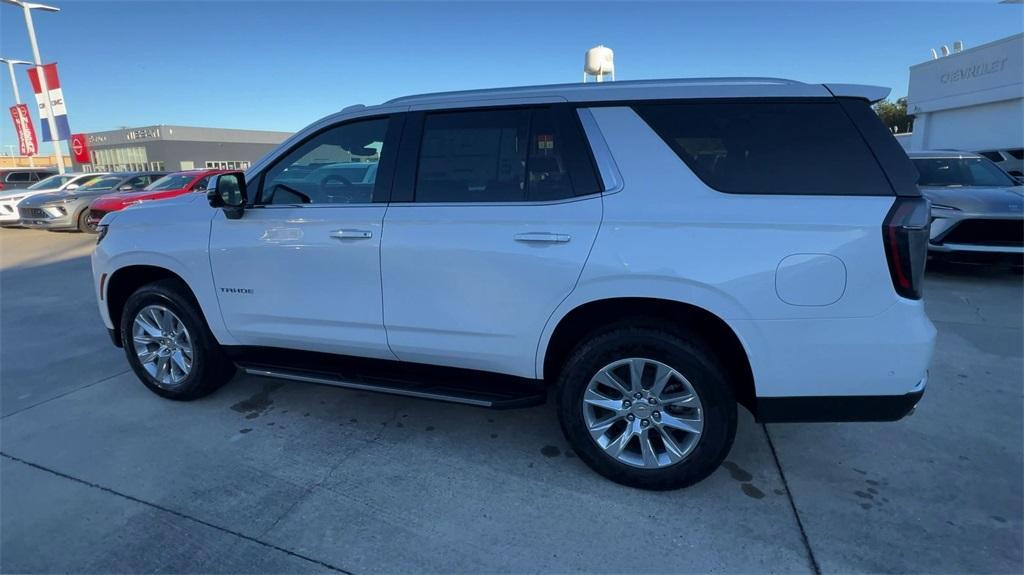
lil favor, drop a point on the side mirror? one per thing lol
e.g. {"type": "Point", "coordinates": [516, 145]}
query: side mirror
{"type": "Point", "coordinates": [227, 191]}
{"type": "Point", "coordinates": [70, 187]}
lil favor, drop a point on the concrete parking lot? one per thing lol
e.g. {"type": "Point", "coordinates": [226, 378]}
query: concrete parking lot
{"type": "Point", "coordinates": [100, 475]}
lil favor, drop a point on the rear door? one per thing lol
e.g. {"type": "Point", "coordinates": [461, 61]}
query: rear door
{"type": "Point", "coordinates": [492, 217]}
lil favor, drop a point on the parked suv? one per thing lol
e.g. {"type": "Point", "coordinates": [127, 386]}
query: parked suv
{"type": "Point", "coordinates": [976, 207]}
{"type": "Point", "coordinates": [56, 183]}
{"type": "Point", "coordinates": [20, 178]}
{"type": "Point", "coordinates": [69, 210]}
{"type": "Point", "coordinates": [653, 254]}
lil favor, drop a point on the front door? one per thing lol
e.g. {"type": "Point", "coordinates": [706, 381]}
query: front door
{"type": "Point", "coordinates": [301, 267]}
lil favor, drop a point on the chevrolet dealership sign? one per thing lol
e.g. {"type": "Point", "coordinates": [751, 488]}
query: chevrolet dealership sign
{"type": "Point", "coordinates": [988, 73]}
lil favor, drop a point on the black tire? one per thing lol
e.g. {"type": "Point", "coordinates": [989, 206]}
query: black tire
{"type": "Point", "coordinates": [211, 368]}
{"type": "Point", "coordinates": [83, 222]}
{"type": "Point", "coordinates": [684, 354]}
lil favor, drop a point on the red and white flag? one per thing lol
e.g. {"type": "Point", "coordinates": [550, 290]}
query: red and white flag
{"type": "Point", "coordinates": [56, 100]}
{"type": "Point", "coordinates": [27, 143]}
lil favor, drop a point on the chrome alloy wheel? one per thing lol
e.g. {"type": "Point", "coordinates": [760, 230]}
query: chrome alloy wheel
{"type": "Point", "coordinates": [643, 413]}
{"type": "Point", "coordinates": [163, 345]}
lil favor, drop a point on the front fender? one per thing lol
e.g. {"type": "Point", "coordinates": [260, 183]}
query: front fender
{"type": "Point", "coordinates": [169, 237]}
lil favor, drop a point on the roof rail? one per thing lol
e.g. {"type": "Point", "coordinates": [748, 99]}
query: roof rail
{"type": "Point", "coordinates": [596, 86]}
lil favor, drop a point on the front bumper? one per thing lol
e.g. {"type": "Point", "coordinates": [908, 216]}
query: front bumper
{"type": "Point", "coordinates": [37, 218]}
{"type": "Point", "coordinates": [8, 213]}
{"type": "Point", "coordinates": [957, 231]}
{"type": "Point", "coordinates": [839, 408]}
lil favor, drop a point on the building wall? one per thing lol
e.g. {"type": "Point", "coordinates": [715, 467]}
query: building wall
{"type": "Point", "coordinates": [36, 161]}
{"type": "Point", "coordinates": [972, 100]}
{"type": "Point", "coordinates": [995, 125]}
{"type": "Point", "coordinates": [183, 155]}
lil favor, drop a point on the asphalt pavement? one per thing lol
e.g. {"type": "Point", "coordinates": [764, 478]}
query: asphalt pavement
{"type": "Point", "coordinates": [97, 474]}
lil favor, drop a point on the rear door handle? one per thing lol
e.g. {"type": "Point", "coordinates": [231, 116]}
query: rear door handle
{"type": "Point", "coordinates": [351, 234]}
{"type": "Point", "coordinates": [542, 237]}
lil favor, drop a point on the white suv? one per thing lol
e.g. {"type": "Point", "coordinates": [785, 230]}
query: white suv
{"type": "Point", "coordinates": [653, 253]}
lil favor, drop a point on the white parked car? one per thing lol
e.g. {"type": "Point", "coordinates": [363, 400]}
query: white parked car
{"type": "Point", "coordinates": [653, 253]}
{"type": "Point", "coordinates": [56, 183]}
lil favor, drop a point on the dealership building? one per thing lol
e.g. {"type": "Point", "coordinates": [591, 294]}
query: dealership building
{"type": "Point", "coordinates": [969, 100]}
{"type": "Point", "coordinates": [173, 148]}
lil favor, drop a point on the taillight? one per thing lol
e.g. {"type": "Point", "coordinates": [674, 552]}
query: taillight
{"type": "Point", "coordinates": [905, 235]}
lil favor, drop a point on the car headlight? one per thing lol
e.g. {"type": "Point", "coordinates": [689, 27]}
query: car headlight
{"type": "Point", "coordinates": [101, 232]}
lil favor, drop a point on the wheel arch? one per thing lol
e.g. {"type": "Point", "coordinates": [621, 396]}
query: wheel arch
{"type": "Point", "coordinates": [123, 282]}
{"type": "Point", "coordinates": [590, 316]}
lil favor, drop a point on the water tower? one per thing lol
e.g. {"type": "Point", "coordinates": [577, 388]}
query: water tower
{"type": "Point", "coordinates": [599, 62]}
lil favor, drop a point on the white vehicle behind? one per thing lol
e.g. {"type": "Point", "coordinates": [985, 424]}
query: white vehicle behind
{"type": "Point", "coordinates": [56, 183]}
{"type": "Point", "coordinates": [650, 254]}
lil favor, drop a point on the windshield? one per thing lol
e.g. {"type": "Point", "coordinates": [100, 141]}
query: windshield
{"type": "Point", "coordinates": [54, 181]}
{"type": "Point", "coordinates": [102, 183]}
{"type": "Point", "coordinates": [171, 182]}
{"type": "Point", "coordinates": [959, 172]}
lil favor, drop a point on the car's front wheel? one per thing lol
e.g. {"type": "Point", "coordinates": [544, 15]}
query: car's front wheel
{"type": "Point", "coordinates": [83, 222]}
{"type": "Point", "coordinates": [168, 344]}
{"type": "Point", "coordinates": [647, 407]}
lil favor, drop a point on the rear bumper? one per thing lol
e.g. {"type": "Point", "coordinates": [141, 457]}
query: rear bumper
{"type": "Point", "coordinates": [839, 408]}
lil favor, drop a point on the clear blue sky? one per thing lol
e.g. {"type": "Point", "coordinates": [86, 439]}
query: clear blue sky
{"type": "Point", "coordinates": [280, 65]}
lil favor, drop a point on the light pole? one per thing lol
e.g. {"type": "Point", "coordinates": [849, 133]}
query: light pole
{"type": "Point", "coordinates": [14, 85]}
{"type": "Point", "coordinates": [27, 8]}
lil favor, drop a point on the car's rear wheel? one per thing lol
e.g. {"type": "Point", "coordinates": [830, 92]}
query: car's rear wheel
{"type": "Point", "coordinates": [168, 344]}
{"type": "Point", "coordinates": [83, 222]}
{"type": "Point", "coordinates": [647, 407]}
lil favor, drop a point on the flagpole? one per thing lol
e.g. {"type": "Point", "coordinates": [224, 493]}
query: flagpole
{"type": "Point", "coordinates": [27, 8]}
{"type": "Point", "coordinates": [54, 135]}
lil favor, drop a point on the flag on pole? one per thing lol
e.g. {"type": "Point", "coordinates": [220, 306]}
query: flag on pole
{"type": "Point", "coordinates": [27, 143]}
{"type": "Point", "coordinates": [60, 113]}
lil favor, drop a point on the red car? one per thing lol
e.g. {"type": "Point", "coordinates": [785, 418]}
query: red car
{"type": "Point", "coordinates": [168, 186]}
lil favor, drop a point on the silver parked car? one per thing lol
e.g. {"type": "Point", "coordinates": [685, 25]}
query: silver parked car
{"type": "Point", "coordinates": [69, 210]}
{"type": "Point", "coordinates": [976, 206]}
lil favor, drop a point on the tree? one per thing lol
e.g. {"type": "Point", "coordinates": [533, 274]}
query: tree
{"type": "Point", "coordinates": [894, 115]}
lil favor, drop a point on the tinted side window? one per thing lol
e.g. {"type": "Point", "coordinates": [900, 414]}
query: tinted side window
{"type": "Point", "coordinates": [137, 183]}
{"type": "Point", "coordinates": [201, 184]}
{"type": "Point", "coordinates": [19, 177]}
{"type": "Point", "coordinates": [782, 147]}
{"type": "Point", "coordinates": [337, 166]}
{"type": "Point", "coordinates": [477, 156]}
{"type": "Point", "coordinates": [1017, 153]}
{"type": "Point", "coordinates": [994, 156]}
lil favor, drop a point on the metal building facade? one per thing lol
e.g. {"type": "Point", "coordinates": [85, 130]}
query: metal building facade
{"type": "Point", "coordinates": [174, 148]}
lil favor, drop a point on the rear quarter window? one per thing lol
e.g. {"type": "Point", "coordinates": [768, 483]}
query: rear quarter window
{"type": "Point", "coordinates": [770, 147]}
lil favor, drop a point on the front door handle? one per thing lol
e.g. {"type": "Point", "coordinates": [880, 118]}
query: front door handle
{"type": "Point", "coordinates": [351, 234]}
{"type": "Point", "coordinates": [542, 237]}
